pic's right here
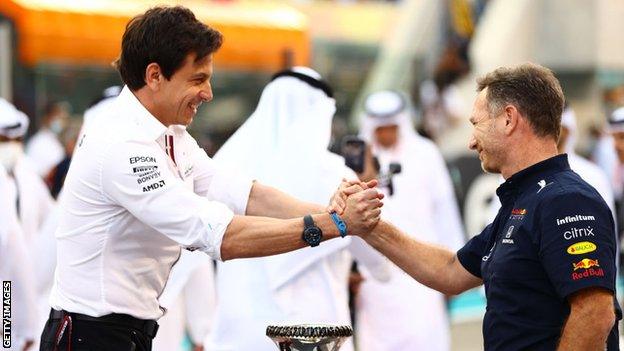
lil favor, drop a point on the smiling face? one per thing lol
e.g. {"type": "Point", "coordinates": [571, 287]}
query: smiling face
{"type": "Point", "coordinates": [487, 135]}
{"type": "Point", "coordinates": [179, 98]}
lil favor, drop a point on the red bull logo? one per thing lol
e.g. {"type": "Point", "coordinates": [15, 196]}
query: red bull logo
{"type": "Point", "coordinates": [518, 212]}
{"type": "Point", "coordinates": [585, 263]}
{"type": "Point", "coordinates": [591, 268]}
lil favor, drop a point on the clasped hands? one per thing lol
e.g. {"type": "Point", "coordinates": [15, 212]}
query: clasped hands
{"type": "Point", "coordinates": [358, 204]}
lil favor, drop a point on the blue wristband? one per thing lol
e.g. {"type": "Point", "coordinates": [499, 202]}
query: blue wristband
{"type": "Point", "coordinates": [340, 224]}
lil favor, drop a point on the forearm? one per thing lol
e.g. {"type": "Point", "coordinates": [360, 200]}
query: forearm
{"type": "Point", "coordinates": [595, 310]}
{"type": "Point", "coordinates": [433, 266]}
{"type": "Point", "coordinates": [249, 236]}
{"type": "Point", "coordinates": [270, 202]}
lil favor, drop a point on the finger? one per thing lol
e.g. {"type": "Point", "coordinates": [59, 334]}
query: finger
{"type": "Point", "coordinates": [375, 203]}
{"type": "Point", "coordinates": [351, 190]}
{"type": "Point", "coordinates": [370, 194]}
{"type": "Point", "coordinates": [372, 183]}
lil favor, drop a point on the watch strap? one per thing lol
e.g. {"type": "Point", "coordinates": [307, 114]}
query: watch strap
{"type": "Point", "coordinates": [340, 224]}
{"type": "Point", "coordinates": [308, 221]}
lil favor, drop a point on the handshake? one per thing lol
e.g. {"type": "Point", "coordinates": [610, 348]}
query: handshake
{"type": "Point", "coordinates": [359, 204]}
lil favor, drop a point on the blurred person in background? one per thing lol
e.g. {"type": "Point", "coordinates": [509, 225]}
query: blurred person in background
{"type": "Point", "coordinates": [26, 189]}
{"type": "Point", "coordinates": [44, 147]}
{"type": "Point", "coordinates": [403, 314]}
{"type": "Point", "coordinates": [284, 144]}
{"type": "Point", "coordinates": [441, 101]}
{"type": "Point", "coordinates": [15, 259]}
{"type": "Point", "coordinates": [616, 131]}
{"type": "Point", "coordinates": [190, 300]}
{"type": "Point", "coordinates": [590, 172]}
{"type": "Point", "coordinates": [68, 138]}
{"type": "Point", "coordinates": [31, 200]}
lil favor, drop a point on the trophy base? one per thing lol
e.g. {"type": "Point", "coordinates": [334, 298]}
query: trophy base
{"type": "Point", "coordinates": [309, 337]}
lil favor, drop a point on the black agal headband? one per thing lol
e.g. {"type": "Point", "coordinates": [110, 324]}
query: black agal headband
{"type": "Point", "coordinates": [316, 83]}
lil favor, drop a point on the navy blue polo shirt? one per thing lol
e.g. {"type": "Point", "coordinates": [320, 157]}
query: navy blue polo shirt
{"type": "Point", "coordinates": [554, 235]}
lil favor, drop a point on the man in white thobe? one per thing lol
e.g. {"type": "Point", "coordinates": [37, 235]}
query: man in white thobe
{"type": "Point", "coordinates": [15, 261]}
{"type": "Point", "coordinates": [284, 144]}
{"type": "Point", "coordinates": [402, 314]}
{"type": "Point", "coordinates": [31, 201]}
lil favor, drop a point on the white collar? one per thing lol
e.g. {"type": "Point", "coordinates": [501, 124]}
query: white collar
{"type": "Point", "coordinates": [144, 120]}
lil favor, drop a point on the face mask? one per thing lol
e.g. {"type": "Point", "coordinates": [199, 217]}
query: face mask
{"type": "Point", "coordinates": [56, 126]}
{"type": "Point", "coordinates": [10, 152]}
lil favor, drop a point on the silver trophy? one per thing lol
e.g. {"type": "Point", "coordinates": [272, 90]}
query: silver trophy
{"type": "Point", "coordinates": [309, 337]}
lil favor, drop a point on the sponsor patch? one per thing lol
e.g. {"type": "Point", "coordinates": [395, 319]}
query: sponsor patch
{"type": "Point", "coordinates": [188, 171]}
{"type": "Point", "coordinates": [154, 186]}
{"type": "Point", "coordinates": [508, 239]}
{"type": "Point", "coordinates": [585, 263]}
{"type": "Point", "coordinates": [585, 268]}
{"type": "Point", "coordinates": [518, 213]}
{"type": "Point", "coordinates": [574, 233]}
{"type": "Point", "coordinates": [581, 248]}
{"type": "Point", "coordinates": [148, 177]}
{"type": "Point", "coordinates": [146, 159]}
{"type": "Point", "coordinates": [574, 218]}
{"type": "Point", "coordinates": [144, 169]}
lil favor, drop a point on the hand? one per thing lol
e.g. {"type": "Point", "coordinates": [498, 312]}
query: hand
{"type": "Point", "coordinates": [198, 348]}
{"type": "Point", "coordinates": [362, 211]}
{"type": "Point", "coordinates": [338, 201]}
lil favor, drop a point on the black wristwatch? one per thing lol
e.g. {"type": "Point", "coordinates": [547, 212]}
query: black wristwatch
{"type": "Point", "coordinates": [312, 234]}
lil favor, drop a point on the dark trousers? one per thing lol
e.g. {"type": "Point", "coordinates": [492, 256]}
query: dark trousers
{"type": "Point", "coordinates": [66, 331]}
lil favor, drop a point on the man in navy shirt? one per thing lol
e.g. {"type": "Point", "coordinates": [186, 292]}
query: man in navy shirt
{"type": "Point", "coordinates": [548, 259]}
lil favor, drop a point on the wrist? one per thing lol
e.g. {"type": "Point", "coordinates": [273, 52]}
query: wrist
{"type": "Point", "coordinates": [325, 222]}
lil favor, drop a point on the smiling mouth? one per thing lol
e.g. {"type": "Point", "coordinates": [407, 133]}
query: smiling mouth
{"type": "Point", "coordinates": [195, 107]}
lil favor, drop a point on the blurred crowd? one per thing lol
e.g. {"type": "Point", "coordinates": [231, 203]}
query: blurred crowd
{"type": "Point", "coordinates": [284, 143]}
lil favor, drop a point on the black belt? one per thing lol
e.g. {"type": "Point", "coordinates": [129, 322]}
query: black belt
{"type": "Point", "coordinates": [148, 326]}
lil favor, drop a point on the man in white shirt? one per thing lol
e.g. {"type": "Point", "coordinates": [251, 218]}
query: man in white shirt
{"type": "Point", "coordinates": [403, 314]}
{"type": "Point", "coordinates": [139, 188]}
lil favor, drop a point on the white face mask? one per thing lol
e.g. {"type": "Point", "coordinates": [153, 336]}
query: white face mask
{"type": "Point", "coordinates": [10, 153]}
{"type": "Point", "coordinates": [56, 126]}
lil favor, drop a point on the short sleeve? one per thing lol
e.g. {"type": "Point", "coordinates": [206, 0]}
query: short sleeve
{"type": "Point", "coordinates": [471, 255]}
{"type": "Point", "coordinates": [137, 177]}
{"type": "Point", "coordinates": [577, 243]}
{"type": "Point", "coordinates": [219, 183]}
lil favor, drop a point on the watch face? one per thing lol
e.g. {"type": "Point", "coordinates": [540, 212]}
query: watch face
{"type": "Point", "coordinates": [312, 236]}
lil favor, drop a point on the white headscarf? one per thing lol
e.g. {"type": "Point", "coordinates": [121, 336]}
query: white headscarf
{"type": "Point", "coordinates": [616, 121]}
{"type": "Point", "coordinates": [568, 120]}
{"type": "Point", "coordinates": [284, 144]}
{"type": "Point", "coordinates": [13, 122]}
{"type": "Point", "coordinates": [386, 108]}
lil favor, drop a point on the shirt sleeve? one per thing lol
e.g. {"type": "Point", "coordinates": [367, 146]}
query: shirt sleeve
{"type": "Point", "coordinates": [136, 176]}
{"type": "Point", "coordinates": [471, 255]}
{"type": "Point", "coordinates": [219, 183]}
{"type": "Point", "coordinates": [577, 243]}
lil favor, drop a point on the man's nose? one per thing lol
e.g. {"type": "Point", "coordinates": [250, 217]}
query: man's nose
{"type": "Point", "coordinates": [206, 95]}
{"type": "Point", "coordinates": [472, 143]}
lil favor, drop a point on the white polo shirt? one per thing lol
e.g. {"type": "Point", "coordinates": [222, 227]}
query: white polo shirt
{"type": "Point", "coordinates": [135, 193]}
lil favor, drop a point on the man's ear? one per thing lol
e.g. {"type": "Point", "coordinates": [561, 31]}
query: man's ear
{"type": "Point", "coordinates": [512, 119]}
{"type": "Point", "coordinates": [153, 76]}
